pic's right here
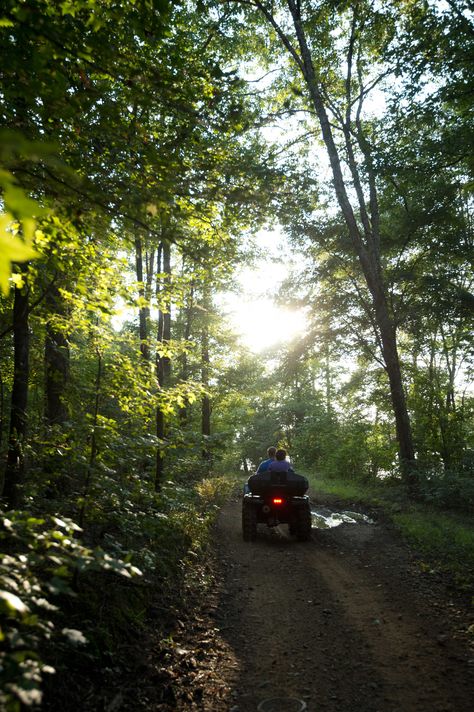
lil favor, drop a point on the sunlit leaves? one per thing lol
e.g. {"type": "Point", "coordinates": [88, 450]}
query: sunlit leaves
{"type": "Point", "coordinates": [11, 604]}
{"type": "Point", "coordinates": [20, 215]}
{"type": "Point", "coordinates": [29, 581]}
{"type": "Point", "coordinates": [75, 637]}
{"type": "Point", "coordinates": [12, 249]}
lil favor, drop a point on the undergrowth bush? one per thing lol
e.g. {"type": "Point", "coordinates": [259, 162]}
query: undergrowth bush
{"type": "Point", "coordinates": [214, 490]}
{"type": "Point", "coordinates": [447, 539]}
{"type": "Point", "coordinates": [60, 609]}
{"type": "Point", "coordinates": [39, 565]}
{"type": "Point", "coordinates": [452, 489]}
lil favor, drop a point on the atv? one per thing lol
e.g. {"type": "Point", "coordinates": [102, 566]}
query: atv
{"type": "Point", "coordinates": [277, 498]}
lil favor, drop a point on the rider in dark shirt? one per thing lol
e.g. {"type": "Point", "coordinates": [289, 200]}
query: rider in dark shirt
{"type": "Point", "coordinates": [280, 464]}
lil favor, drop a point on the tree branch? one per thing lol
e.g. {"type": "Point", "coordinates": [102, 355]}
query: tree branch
{"type": "Point", "coordinates": [283, 37]}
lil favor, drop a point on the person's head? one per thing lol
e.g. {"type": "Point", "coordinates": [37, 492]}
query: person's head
{"type": "Point", "coordinates": [280, 454]}
{"type": "Point", "coordinates": [271, 452]}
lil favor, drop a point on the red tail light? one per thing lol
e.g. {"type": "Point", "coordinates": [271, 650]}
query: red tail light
{"type": "Point", "coordinates": [277, 500]}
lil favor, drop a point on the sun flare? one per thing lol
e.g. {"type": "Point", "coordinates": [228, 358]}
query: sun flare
{"type": "Point", "coordinates": [253, 312]}
{"type": "Point", "coordinates": [261, 323]}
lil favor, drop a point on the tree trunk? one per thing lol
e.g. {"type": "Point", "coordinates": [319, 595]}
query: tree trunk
{"type": "Point", "coordinates": [56, 370]}
{"type": "Point", "coordinates": [2, 409]}
{"type": "Point", "coordinates": [142, 309]}
{"type": "Point", "coordinates": [392, 367]}
{"type": "Point", "coordinates": [183, 412]}
{"type": "Point", "coordinates": [150, 273]}
{"type": "Point", "coordinates": [206, 401]}
{"type": "Point", "coordinates": [327, 378]}
{"type": "Point", "coordinates": [367, 248]}
{"type": "Point", "coordinates": [167, 313]}
{"type": "Point", "coordinates": [163, 363]}
{"type": "Point", "coordinates": [15, 469]}
{"type": "Point", "coordinates": [93, 441]}
{"type": "Point", "coordinates": [56, 360]}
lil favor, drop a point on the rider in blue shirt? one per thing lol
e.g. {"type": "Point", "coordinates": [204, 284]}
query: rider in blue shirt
{"type": "Point", "coordinates": [264, 465]}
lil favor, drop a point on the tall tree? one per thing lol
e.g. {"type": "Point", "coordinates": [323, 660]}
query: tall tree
{"type": "Point", "coordinates": [307, 33]}
{"type": "Point", "coordinates": [56, 359]}
{"type": "Point", "coordinates": [206, 408]}
{"type": "Point", "coordinates": [14, 473]}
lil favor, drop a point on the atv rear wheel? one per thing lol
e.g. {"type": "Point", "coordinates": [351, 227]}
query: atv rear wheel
{"type": "Point", "coordinates": [303, 526]}
{"type": "Point", "coordinates": [249, 523]}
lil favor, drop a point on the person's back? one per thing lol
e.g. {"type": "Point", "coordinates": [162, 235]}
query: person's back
{"type": "Point", "coordinates": [265, 464]}
{"type": "Point", "coordinates": [280, 464]}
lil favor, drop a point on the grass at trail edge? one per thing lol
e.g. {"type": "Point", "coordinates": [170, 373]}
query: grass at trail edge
{"type": "Point", "coordinates": [444, 538]}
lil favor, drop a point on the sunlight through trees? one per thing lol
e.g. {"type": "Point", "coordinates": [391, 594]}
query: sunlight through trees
{"type": "Point", "coordinates": [278, 198]}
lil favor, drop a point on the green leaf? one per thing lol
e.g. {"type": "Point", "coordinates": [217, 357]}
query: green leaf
{"type": "Point", "coordinates": [12, 249]}
{"type": "Point", "coordinates": [12, 604]}
{"type": "Point", "coordinates": [74, 636]}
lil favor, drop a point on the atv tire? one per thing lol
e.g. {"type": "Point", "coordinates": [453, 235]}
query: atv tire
{"type": "Point", "coordinates": [303, 526]}
{"type": "Point", "coordinates": [249, 523]}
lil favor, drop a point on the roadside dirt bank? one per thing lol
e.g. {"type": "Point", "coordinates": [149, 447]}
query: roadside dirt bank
{"type": "Point", "coordinates": [347, 621]}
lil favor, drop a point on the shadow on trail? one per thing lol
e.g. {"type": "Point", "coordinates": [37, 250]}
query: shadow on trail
{"type": "Point", "coordinates": [329, 622]}
{"type": "Point", "coordinates": [277, 617]}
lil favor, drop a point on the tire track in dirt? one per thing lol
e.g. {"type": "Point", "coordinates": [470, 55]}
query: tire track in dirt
{"type": "Point", "coordinates": [344, 622]}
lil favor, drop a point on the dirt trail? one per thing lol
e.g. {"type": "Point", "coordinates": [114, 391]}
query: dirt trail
{"type": "Point", "coordinates": [345, 622]}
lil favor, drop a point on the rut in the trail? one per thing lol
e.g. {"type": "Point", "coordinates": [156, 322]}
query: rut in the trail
{"type": "Point", "coordinates": [344, 622]}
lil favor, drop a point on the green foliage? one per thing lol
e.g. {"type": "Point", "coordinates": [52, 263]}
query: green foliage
{"type": "Point", "coordinates": [41, 557]}
{"type": "Point", "coordinates": [214, 491]}
{"type": "Point", "coordinates": [53, 586]}
{"type": "Point", "coordinates": [450, 489]}
{"type": "Point", "coordinates": [20, 212]}
{"type": "Point", "coordinates": [447, 540]}
{"type": "Point", "coordinates": [369, 491]}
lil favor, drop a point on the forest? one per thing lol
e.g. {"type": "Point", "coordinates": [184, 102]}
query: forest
{"type": "Point", "coordinates": [145, 147]}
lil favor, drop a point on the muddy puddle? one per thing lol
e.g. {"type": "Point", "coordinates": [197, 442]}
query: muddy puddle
{"type": "Point", "coordinates": [324, 518]}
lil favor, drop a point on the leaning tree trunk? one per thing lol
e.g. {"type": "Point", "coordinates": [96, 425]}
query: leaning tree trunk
{"type": "Point", "coordinates": [15, 469]}
{"type": "Point", "coordinates": [366, 243]}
